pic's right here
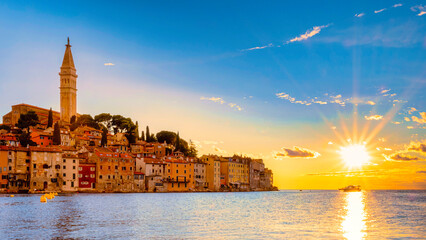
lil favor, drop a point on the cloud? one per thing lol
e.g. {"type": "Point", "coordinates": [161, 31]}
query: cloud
{"type": "Point", "coordinates": [371, 103]}
{"type": "Point", "coordinates": [379, 11]}
{"type": "Point", "coordinates": [421, 172]}
{"type": "Point", "coordinates": [214, 99]}
{"type": "Point", "coordinates": [421, 13]}
{"type": "Point", "coordinates": [308, 34]}
{"type": "Point", "coordinates": [396, 123]}
{"type": "Point", "coordinates": [256, 48]}
{"type": "Point", "coordinates": [417, 147]}
{"type": "Point", "coordinates": [109, 64]}
{"type": "Point", "coordinates": [397, 5]}
{"type": "Point", "coordinates": [412, 110]}
{"type": "Point", "coordinates": [338, 100]}
{"type": "Point", "coordinates": [421, 120]}
{"type": "Point", "coordinates": [403, 157]}
{"type": "Point", "coordinates": [297, 152]}
{"type": "Point", "coordinates": [219, 150]}
{"type": "Point", "coordinates": [330, 143]}
{"type": "Point", "coordinates": [373, 117]}
{"type": "Point", "coordinates": [359, 15]}
{"type": "Point", "coordinates": [233, 105]}
{"type": "Point", "coordinates": [384, 91]}
{"type": "Point", "coordinates": [419, 8]}
{"type": "Point", "coordinates": [382, 140]}
{"type": "Point", "coordinates": [319, 102]}
{"type": "Point", "coordinates": [407, 119]}
{"type": "Point", "coordinates": [410, 127]}
{"type": "Point", "coordinates": [286, 96]}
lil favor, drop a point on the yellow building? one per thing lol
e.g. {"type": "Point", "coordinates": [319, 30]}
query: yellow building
{"type": "Point", "coordinates": [212, 171]}
{"type": "Point", "coordinates": [180, 175]}
{"type": "Point", "coordinates": [234, 172]}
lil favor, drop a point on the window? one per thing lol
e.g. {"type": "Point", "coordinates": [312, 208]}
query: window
{"type": "Point", "coordinates": [64, 183]}
{"type": "Point", "coordinates": [100, 176]}
{"type": "Point", "coordinates": [72, 184]}
{"type": "Point", "coordinates": [73, 167]}
{"type": "Point", "coordinates": [92, 175]}
{"type": "Point", "coordinates": [80, 168]}
{"type": "Point", "coordinates": [64, 160]}
{"type": "Point", "coordinates": [177, 171]}
{"type": "Point", "coordinates": [92, 169]}
{"type": "Point", "coordinates": [80, 176]}
{"type": "Point", "coordinates": [64, 167]}
{"type": "Point", "coordinates": [64, 174]}
{"type": "Point", "coordinates": [73, 161]}
{"type": "Point", "coordinates": [73, 176]}
{"type": "Point", "coordinates": [34, 166]}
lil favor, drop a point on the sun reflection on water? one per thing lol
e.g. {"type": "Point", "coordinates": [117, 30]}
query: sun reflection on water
{"type": "Point", "coordinates": [353, 224]}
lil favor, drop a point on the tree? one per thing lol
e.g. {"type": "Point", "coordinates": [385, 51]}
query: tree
{"type": "Point", "coordinates": [104, 140]}
{"type": "Point", "coordinates": [148, 135]}
{"type": "Point", "coordinates": [73, 119]}
{"type": "Point", "coordinates": [28, 119]}
{"type": "Point", "coordinates": [143, 136]}
{"type": "Point", "coordinates": [56, 135]}
{"type": "Point", "coordinates": [25, 139]}
{"type": "Point", "coordinates": [104, 119]}
{"type": "Point", "coordinates": [153, 138]}
{"type": "Point", "coordinates": [5, 127]}
{"type": "Point", "coordinates": [192, 151]}
{"type": "Point", "coordinates": [166, 136]}
{"type": "Point", "coordinates": [177, 142]}
{"type": "Point", "coordinates": [50, 119]}
{"type": "Point", "coordinates": [87, 120]}
{"type": "Point", "coordinates": [137, 130]}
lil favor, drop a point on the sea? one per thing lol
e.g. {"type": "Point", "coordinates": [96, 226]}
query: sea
{"type": "Point", "coordinates": [307, 214]}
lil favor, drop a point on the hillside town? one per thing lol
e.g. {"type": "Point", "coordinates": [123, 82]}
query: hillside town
{"type": "Point", "coordinates": [42, 150]}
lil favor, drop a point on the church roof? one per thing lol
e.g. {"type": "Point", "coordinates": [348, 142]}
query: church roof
{"type": "Point", "coordinates": [68, 59]}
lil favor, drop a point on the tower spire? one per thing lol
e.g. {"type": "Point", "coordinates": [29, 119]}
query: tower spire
{"type": "Point", "coordinates": [68, 61]}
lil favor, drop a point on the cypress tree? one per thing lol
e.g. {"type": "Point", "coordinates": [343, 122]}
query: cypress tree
{"type": "Point", "coordinates": [137, 130]}
{"type": "Point", "coordinates": [104, 139]}
{"type": "Point", "coordinates": [148, 135]}
{"type": "Point", "coordinates": [56, 135]}
{"type": "Point", "coordinates": [143, 136]}
{"type": "Point", "coordinates": [177, 142]}
{"type": "Point", "coordinates": [73, 119]}
{"type": "Point", "coordinates": [50, 119]}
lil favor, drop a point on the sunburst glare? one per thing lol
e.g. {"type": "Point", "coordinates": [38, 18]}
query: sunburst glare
{"type": "Point", "coordinates": [354, 155]}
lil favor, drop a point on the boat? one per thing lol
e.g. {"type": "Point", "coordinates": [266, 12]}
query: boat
{"type": "Point", "coordinates": [351, 188]}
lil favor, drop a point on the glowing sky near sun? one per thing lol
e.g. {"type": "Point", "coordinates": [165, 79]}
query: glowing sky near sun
{"type": "Point", "coordinates": [290, 82]}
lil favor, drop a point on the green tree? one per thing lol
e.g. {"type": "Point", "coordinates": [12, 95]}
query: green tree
{"type": "Point", "coordinates": [104, 139]}
{"type": "Point", "coordinates": [50, 119]}
{"type": "Point", "coordinates": [25, 139]}
{"type": "Point", "coordinates": [56, 134]}
{"type": "Point", "coordinates": [192, 151]}
{"type": "Point", "coordinates": [177, 145]}
{"type": "Point", "coordinates": [73, 119]}
{"type": "Point", "coordinates": [28, 119]}
{"type": "Point", "coordinates": [143, 136]}
{"type": "Point", "coordinates": [87, 120]}
{"type": "Point", "coordinates": [137, 130]}
{"type": "Point", "coordinates": [104, 119]}
{"type": "Point", "coordinates": [148, 135]}
{"type": "Point", "coordinates": [166, 136]}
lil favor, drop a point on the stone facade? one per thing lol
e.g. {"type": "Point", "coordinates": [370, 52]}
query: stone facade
{"type": "Point", "coordinates": [68, 86]}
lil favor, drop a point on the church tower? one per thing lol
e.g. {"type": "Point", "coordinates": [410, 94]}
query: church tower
{"type": "Point", "coordinates": [68, 78]}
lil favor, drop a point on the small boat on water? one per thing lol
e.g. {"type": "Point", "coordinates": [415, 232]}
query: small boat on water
{"type": "Point", "coordinates": [351, 188]}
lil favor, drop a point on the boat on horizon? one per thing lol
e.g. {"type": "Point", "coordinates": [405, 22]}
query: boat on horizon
{"type": "Point", "coordinates": [351, 188]}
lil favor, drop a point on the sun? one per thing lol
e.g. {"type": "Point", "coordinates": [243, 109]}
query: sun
{"type": "Point", "coordinates": [354, 155]}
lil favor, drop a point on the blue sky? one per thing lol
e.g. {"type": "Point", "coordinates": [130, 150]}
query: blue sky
{"type": "Point", "coordinates": [177, 62]}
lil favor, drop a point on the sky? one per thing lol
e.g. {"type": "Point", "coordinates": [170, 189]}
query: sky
{"type": "Point", "coordinates": [294, 83]}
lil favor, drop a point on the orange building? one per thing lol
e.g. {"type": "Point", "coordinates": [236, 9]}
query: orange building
{"type": "Point", "coordinates": [180, 175]}
{"type": "Point", "coordinates": [42, 138]}
{"type": "Point", "coordinates": [12, 117]}
{"type": "Point", "coordinates": [4, 153]}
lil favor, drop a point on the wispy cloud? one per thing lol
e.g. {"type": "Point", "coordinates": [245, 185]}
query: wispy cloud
{"type": "Point", "coordinates": [373, 117]}
{"type": "Point", "coordinates": [371, 103]}
{"type": "Point", "coordinates": [308, 34]}
{"type": "Point", "coordinates": [233, 105]}
{"type": "Point", "coordinates": [417, 147]}
{"type": "Point", "coordinates": [286, 96]}
{"type": "Point", "coordinates": [397, 5]}
{"type": "Point", "coordinates": [379, 11]}
{"type": "Point", "coordinates": [421, 13]}
{"type": "Point", "coordinates": [402, 157]}
{"type": "Point", "coordinates": [109, 64]}
{"type": "Point", "coordinates": [256, 48]}
{"type": "Point", "coordinates": [296, 152]}
{"type": "Point", "coordinates": [359, 15]}
{"type": "Point", "coordinates": [415, 151]}
{"type": "Point", "coordinates": [214, 99]}
{"type": "Point", "coordinates": [411, 110]}
{"type": "Point", "coordinates": [384, 91]}
{"type": "Point", "coordinates": [222, 101]}
{"type": "Point", "coordinates": [420, 9]}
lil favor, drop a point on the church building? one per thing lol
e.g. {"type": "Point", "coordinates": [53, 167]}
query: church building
{"type": "Point", "coordinates": [68, 96]}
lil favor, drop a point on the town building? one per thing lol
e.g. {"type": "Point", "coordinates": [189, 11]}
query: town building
{"type": "Point", "coordinates": [256, 167]}
{"type": "Point", "coordinates": [180, 176]}
{"type": "Point", "coordinates": [212, 171]}
{"type": "Point", "coordinates": [4, 162]}
{"type": "Point", "coordinates": [19, 169]}
{"type": "Point", "coordinates": [155, 172]}
{"type": "Point", "coordinates": [199, 179]}
{"type": "Point", "coordinates": [46, 169]}
{"type": "Point", "coordinates": [70, 164]}
{"type": "Point", "coordinates": [86, 175]}
{"type": "Point", "coordinates": [13, 116]}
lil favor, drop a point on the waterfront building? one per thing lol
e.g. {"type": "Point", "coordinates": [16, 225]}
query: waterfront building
{"type": "Point", "coordinates": [70, 164]}
{"type": "Point", "coordinates": [266, 179]}
{"type": "Point", "coordinates": [212, 171]}
{"type": "Point", "coordinates": [155, 172]}
{"type": "Point", "coordinates": [179, 175]}
{"type": "Point", "coordinates": [199, 181]}
{"type": "Point", "coordinates": [19, 160]}
{"type": "Point", "coordinates": [46, 169]}
{"type": "Point", "coordinates": [139, 181]}
{"type": "Point", "coordinates": [4, 159]}
{"type": "Point", "coordinates": [68, 86]}
{"type": "Point", "coordinates": [86, 175]}
{"type": "Point", "coordinates": [256, 167]}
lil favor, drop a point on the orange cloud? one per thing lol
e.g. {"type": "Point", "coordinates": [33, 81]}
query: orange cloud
{"type": "Point", "coordinates": [297, 152]}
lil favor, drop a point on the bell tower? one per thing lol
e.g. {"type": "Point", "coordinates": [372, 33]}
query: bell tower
{"type": "Point", "coordinates": [68, 87]}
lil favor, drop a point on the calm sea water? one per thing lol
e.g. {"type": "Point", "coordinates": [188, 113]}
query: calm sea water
{"type": "Point", "coordinates": [253, 215]}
